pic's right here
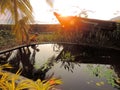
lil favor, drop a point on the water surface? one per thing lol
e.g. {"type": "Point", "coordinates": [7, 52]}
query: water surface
{"type": "Point", "coordinates": [79, 67]}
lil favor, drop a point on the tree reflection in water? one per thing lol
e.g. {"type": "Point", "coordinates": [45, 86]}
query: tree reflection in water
{"type": "Point", "coordinates": [102, 71]}
{"type": "Point", "coordinates": [4, 57]}
{"type": "Point", "coordinates": [23, 58]}
{"type": "Point", "coordinates": [101, 62]}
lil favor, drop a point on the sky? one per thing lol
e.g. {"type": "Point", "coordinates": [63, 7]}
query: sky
{"type": "Point", "coordinates": [97, 9]}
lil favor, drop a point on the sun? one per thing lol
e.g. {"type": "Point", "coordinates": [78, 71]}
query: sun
{"type": "Point", "coordinates": [103, 9]}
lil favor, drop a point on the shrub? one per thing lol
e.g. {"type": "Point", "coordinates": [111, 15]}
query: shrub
{"type": "Point", "coordinates": [10, 81]}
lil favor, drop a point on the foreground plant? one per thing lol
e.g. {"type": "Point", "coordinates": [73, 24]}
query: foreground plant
{"type": "Point", "coordinates": [10, 81]}
{"type": "Point", "coordinates": [40, 85]}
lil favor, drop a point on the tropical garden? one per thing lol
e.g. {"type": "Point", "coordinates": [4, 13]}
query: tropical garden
{"type": "Point", "coordinates": [21, 13]}
{"type": "Point", "coordinates": [22, 34]}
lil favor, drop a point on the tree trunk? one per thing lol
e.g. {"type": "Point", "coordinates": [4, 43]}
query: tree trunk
{"type": "Point", "coordinates": [15, 12]}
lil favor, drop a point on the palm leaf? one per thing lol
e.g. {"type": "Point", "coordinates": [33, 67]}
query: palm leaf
{"type": "Point", "coordinates": [50, 2]}
{"type": "Point", "coordinates": [26, 10]}
{"type": "Point", "coordinates": [25, 84]}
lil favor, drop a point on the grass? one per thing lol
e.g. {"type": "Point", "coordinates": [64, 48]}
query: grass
{"type": "Point", "coordinates": [96, 38]}
{"type": "Point", "coordinates": [6, 39]}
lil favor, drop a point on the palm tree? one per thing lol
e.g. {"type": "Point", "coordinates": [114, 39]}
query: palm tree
{"type": "Point", "coordinates": [18, 9]}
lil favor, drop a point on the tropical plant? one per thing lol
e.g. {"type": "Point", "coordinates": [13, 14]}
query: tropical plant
{"type": "Point", "coordinates": [10, 81]}
{"type": "Point", "coordinates": [67, 56]}
{"type": "Point", "coordinates": [45, 85]}
{"type": "Point", "coordinates": [68, 61]}
{"type": "Point", "coordinates": [102, 71]}
{"type": "Point", "coordinates": [18, 9]}
{"type": "Point", "coordinates": [21, 30]}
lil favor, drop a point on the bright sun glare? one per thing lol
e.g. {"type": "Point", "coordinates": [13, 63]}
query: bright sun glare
{"type": "Point", "coordinates": [98, 9]}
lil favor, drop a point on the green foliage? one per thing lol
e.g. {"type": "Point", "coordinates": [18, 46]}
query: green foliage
{"type": "Point", "coordinates": [69, 65]}
{"type": "Point", "coordinates": [6, 34]}
{"type": "Point", "coordinates": [50, 62]}
{"type": "Point", "coordinates": [46, 37]}
{"type": "Point", "coordinates": [93, 37]}
{"type": "Point", "coordinates": [19, 9]}
{"type": "Point", "coordinates": [68, 61]}
{"type": "Point", "coordinates": [67, 56]}
{"type": "Point", "coordinates": [103, 72]}
{"type": "Point", "coordinates": [5, 37]}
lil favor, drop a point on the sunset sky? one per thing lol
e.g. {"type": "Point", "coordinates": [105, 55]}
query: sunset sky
{"type": "Point", "coordinates": [98, 9]}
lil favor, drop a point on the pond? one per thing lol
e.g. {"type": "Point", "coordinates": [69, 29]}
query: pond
{"type": "Point", "coordinates": [79, 67]}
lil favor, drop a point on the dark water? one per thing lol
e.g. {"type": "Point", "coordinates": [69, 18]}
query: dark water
{"type": "Point", "coordinates": [79, 67]}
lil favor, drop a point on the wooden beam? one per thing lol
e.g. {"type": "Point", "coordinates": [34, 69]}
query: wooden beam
{"type": "Point", "coordinates": [16, 47]}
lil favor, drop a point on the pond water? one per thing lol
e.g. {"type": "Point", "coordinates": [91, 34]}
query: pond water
{"type": "Point", "coordinates": [79, 67]}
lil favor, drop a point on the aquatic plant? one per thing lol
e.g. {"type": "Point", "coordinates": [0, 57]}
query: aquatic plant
{"type": "Point", "coordinates": [67, 56]}
{"type": "Point", "coordinates": [102, 71]}
{"type": "Point", "coordinates": [68, 61]}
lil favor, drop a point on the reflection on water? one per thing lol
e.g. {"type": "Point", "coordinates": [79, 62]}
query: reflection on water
{"type": "Point", "coordinates": [79, 67]}
{"type": "Point", "coordinates": [83, 79]}
{"type": "Point", "coordinates": [35, 61]}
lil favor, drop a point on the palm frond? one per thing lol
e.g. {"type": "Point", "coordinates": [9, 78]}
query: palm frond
{"type": "Point", "coordinates": [50, 2]}
{"type": "Point", "coordinates": [25, 10]}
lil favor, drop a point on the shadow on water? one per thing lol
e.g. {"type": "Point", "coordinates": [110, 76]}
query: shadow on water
{"type": "Point", "coordinates": [35, 60]}
{"type": "Point", "coordinates": [79, 67]}
{"type": "Point", "coordinates": [23, 58]}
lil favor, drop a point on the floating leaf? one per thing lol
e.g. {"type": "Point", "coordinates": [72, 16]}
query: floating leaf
{"type": "Point", "coordinates": [98, 84]}
{"type": "Point", "coordinates": [102, 83]}
{"type": "Point", "coordinates": [118, 80]}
